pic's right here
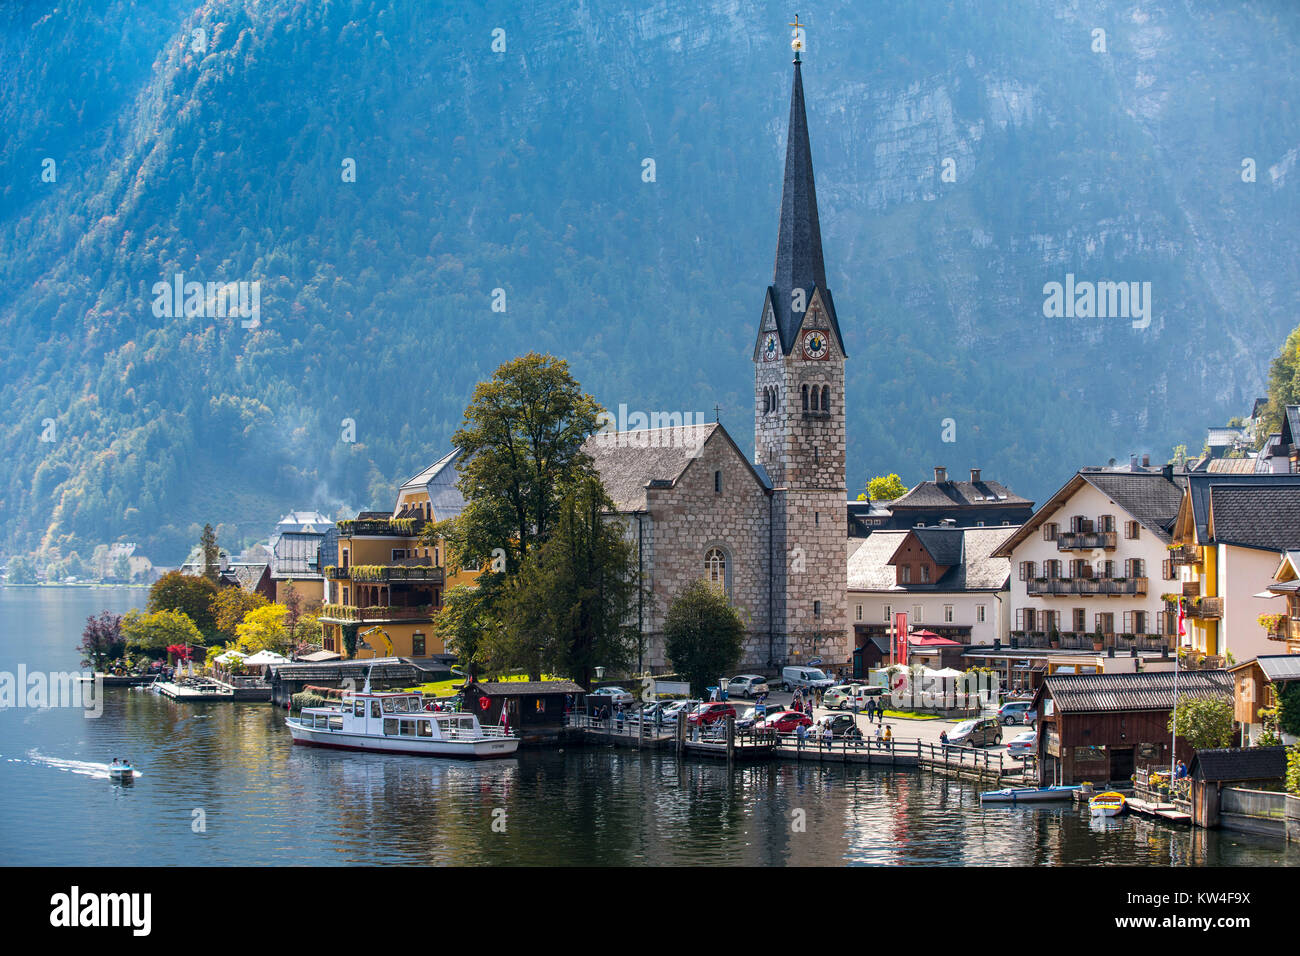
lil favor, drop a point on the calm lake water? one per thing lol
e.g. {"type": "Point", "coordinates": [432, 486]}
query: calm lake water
{"type": "Point", "coordinates": [264, 801]}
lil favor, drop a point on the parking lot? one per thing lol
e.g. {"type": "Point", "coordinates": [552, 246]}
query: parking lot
{"type": "Point", "coordinates": [927, 731]}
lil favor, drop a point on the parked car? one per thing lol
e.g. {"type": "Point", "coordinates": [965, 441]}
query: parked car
{"type": "Point", "coordinates": [616, 695]}
{"type": "Point", "coordinates": [980, 732]}
{"type": "Point", "coordinates": [784, 722]}
{"type": "Point", "coordinates": [803, 678]}
{"type": "Point", "coordinates": [1017, 712]}
{"type": "Point", "coordinates": [1023, 743]}
{"type": "Point", "coordinates": [746, 685]}
{"type": "Point", "coordinates": [710, 713]}
{"type": "Point", "coordinates": [842, 725]}
{"type": "Point", "coordinates": [851, 696]}
{"type": "Point", "coordinates": [675, 708]}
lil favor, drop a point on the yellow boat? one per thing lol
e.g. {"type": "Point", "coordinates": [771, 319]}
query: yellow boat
{"type": "Point", "coordinates": [1109, 804]}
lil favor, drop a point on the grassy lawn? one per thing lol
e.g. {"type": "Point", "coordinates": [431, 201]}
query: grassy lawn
{"type": "Point", "coordinates": [912, 715]}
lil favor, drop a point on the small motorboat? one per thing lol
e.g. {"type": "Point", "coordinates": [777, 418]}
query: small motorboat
{"type": "Point", "coordinates": [121, 773]}
{"type": "Point", "coordinates": [1028, 794]}
{"type": "Point", "coordinates": [1109, 804]}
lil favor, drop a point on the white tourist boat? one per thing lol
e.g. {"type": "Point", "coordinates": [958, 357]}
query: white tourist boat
{"type": "Point", "coordinates": [398, 723]}
{"type": "Point", "coordinates": [121, 772]}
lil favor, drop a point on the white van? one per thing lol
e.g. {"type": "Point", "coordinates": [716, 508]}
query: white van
{"type": "Point", "coordinates": [802, 678]}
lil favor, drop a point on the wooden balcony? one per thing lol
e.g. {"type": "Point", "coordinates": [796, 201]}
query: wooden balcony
{"type": "Point", "coordinates": [1202, 609]}
{"type": "Point", "coordinates": [1287, 631]}
{"type": "Point", "coordinates": [1188, 554]}
{"type": "Point", "coordinates": [1085, 540]}
{"type": "Point", "coordinates": [388, 573]}
{"type": "Point", "coordinates": [347, 614]}
{"type": "Point", "coordinates": [1107, 586]}
{"type": "Point", "coordinates": [381, 527]}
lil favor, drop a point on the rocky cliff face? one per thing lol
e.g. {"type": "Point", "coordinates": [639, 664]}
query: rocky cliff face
{"type": "Point", "coordinates": [967, 155]}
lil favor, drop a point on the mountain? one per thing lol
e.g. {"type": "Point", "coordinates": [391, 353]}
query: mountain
{"type": "Point", "coordinates": [215, 140]}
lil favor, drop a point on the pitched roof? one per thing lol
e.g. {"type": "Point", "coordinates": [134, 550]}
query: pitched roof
{"type": "Point", "coordinates": [1244, 516]}
{"type": "Point", "coordinates": [942, 544]}
{"type": "Point", "coordinates": [799, 263]}
{"type": "Point", "coordinates": [628, 461]}
{"type": "Point", "coordinates": [1290, 427]}
{"type": "Point", "coordinates": [1280, 667]}
{"type": "Point", "coordinates": [512, 688]}
{"type": "Point", "coordinates": [1148, 690]}
{"type": "Point", "coordinates": [972, 565]}
{"type": "Point", "coordinates": [1239, 763]}
{"type": "Point", "coordinates": [293, 555]}
{"type": "Point", "coordinates": [439, 482]}
{"type": "Point", "coordinates": [1231, 466]}
{"type": "Point", "coordinates": [1148, 495]}
{"type": "Point", "coordinates": [945, 494]}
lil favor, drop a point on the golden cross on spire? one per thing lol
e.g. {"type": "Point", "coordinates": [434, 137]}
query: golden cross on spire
{"type": "Point", "coordinates": [797, 43]}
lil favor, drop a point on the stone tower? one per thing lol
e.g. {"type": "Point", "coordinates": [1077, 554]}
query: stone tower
{"type": "Point", "coordinates": [799, 422]}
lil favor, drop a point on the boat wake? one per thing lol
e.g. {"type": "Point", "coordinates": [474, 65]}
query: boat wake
{"type": "Point", "coordinates": [85, 768]}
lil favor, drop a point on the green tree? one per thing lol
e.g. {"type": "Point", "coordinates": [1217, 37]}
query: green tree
{"type": "Point", "coordinates": [188, 593]}
{"type": "Point", "coordinates": [571, 607]}
{"type": "Point", "coordinates": [886, 487]}
{"type": "Point", "coordinates": [1204, 722]}
{"type": "Point", "coordinates": [521, 444]}
{"type": "Point", "coordinates": [153, 632]}
{"type": "Point", "coordinates": [1288, 706]}
{"type": "Point", "coordinates": [462, 623]}
{"type": "Point", "coordinates": [703, 635]}
{"type": "Point", "coordinates": [19, 570]}
{"type": "Point", "coordinates": [211, 554]}
{"type": "Point", "coordinates": [122, 569]}
{"type": "Point", "coordinates": [1180, 456]}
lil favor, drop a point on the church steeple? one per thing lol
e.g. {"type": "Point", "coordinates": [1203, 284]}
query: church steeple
{"type": "Point", "coordinates": [799, 262]}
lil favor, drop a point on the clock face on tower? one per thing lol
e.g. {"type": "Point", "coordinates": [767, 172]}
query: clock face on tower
{"type": "Point", "coordinates": [816, 344]}
{"type": "Point", "coordinates": [771, 348]}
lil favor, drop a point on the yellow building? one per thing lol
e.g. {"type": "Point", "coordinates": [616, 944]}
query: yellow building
{"type": "Point", "coordinates": [387, 579]}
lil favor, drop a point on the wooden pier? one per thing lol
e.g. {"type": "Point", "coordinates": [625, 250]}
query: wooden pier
{"type": "Point", "coordinates": [210, 689]}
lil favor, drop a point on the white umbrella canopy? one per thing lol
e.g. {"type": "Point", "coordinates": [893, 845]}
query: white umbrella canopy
{"type": "Point", "coordinates": [262, 658]}
{"type": "Point", "coordinates": [229, 657]}
{"type": "Point", "coordinates": [946, 672]}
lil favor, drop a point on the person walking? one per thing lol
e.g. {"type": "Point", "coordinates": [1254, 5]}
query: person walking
{"type": "Point", "coordinates": [889, 737]}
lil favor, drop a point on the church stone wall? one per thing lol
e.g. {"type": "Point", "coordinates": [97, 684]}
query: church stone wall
{"type": "Point", "coordinates": [689, 519]}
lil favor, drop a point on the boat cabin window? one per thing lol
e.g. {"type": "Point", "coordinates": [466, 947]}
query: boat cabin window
{"type": "Point", "coordinates": [426, 728]}
{"type": "Point", "coordinates": [390, 705]}
{"type": "Point", "coordinates": [336, 723]}
{"type": "Point", "coordinates": [374, 709]}
{"type": "Point", "coordinates": [359, 708]}
{"type": "Point", "coordinates": [408, 728]}
{"type": "Point", "coordinates": [390, 726]}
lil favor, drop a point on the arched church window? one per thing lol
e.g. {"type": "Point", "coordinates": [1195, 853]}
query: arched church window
{"type": "Point", "coordinates": [767, 399]}
{"type": "Point", "coordinates": [826, 398]}
{"type": "Point", "coordinates": [715, 568]}
{"type": "Point", "coordinates": [805, 398]}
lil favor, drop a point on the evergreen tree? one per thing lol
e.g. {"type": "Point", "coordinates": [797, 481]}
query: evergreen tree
{"type": "Point", "coordinates": [211, 554]}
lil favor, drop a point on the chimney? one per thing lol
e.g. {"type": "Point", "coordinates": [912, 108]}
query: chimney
{"type": "Point", "coordinates": [940, 475]}
{"type": "Point", "coordinates": [1168, 471]}
{"type": "Point", "coordinates": [1146, 461]}
{"type": "Point", "coordinates": [1132, 462]}
{"type": "Point", "coordinates": [974, 476]}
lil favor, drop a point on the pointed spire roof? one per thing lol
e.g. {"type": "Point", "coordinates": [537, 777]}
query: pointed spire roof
{"type": "Point", "coordinates": [799, 263]}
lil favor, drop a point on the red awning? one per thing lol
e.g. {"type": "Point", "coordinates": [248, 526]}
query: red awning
{"type": "Point", "coordinates": [930, 639]}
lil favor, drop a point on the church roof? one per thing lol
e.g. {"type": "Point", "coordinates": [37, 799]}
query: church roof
{"type": "Point", "coordinates": [799, 262]}
{"type": "Point", "coordinates": [630, 461]}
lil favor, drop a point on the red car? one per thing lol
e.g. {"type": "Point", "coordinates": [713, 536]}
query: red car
{"type": "Point", "coordinates": [784, 722]}
{"type": "Point", "coordinates": [710, 713]}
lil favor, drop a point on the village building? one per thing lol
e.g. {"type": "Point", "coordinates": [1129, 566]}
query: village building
{"type": "Point", "coordinates": [295, 556]}
{"type": "Point", "coordinates": [1254, 688]}
{"type": "Point", "coordinates": [1282, 619]}
{"type": "Point", "coordinates": [1230, 533]}
{"type": "Point", "coordinates": [1086, 570]}
{"type": "Point", "coordinates": [943, 502]}
{"type": "Point", "coordinates": [945, 579]}
{"type": "Point", "coordinates": [1102, 727]}
{"type": "Point", "coordinates": [1224, 782]}
{"type": "Point", "coordinates": [384, 585]}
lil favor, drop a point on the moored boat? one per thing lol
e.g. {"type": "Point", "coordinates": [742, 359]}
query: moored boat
{"type": "Point", "coordinates": [1028, 794]}
{"type": "Point", "coordinates": [398, 723]}
{"type": "Point", "coordinates": [1109, 804]}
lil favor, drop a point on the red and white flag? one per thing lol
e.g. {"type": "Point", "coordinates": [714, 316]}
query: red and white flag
{"type": "Point", "coordinates": [1182, 626]}
{"type": "Point", "coordinates": [505, 716]}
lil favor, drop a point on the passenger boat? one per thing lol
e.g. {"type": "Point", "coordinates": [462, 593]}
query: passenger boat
{"type": "Point", "coordinates": [398, 723]}
{"type": "Point", "coordinates": [1028, 794]}
{"type": "Point", "coordinates": [1109, 804]}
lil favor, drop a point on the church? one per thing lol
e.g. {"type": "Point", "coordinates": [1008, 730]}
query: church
{"type": "Point", "coordinates": [772, 532]}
